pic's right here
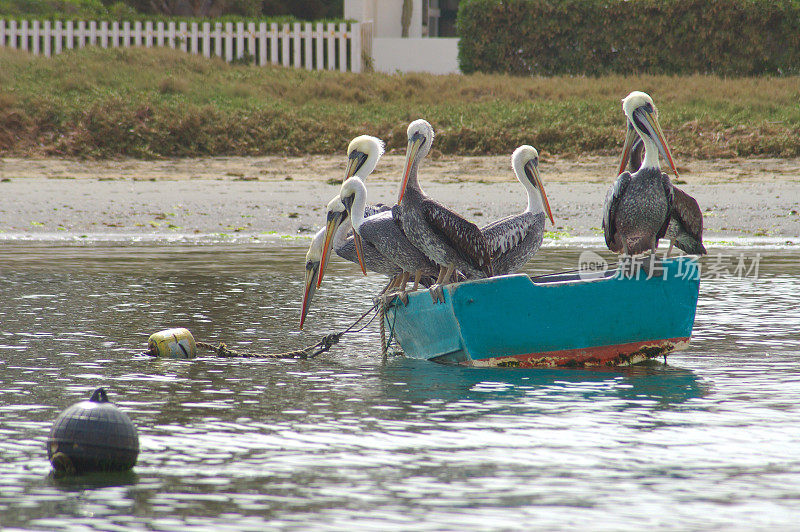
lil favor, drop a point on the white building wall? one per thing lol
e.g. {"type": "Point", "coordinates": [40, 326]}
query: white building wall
{"type": "Point", "coordinates": [436, 56]}
{"type": "Point", "coordinates": [391, 52]}
{"type": "Point", "coordinates": [387, 16]}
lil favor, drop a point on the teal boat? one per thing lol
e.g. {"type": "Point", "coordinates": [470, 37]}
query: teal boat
{"type": "Point", "coordinates": [616, 317]}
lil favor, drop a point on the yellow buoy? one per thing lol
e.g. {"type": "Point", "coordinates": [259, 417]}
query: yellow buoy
{"type": "Point", "coordinates": [172, 343]}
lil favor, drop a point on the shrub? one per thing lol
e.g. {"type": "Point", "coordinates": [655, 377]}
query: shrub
{"type": "Point", "coordinates": [594, 37]}
{"type": "Point", "coordinates": [49, 8]}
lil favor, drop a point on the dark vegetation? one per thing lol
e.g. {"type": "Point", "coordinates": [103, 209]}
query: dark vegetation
{"type": "Point", "coordinates": [134, 9]}
{"type": "Point", "coordinates": [600, 37]}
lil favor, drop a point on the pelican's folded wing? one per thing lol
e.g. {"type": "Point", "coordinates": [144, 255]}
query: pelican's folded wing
{"type": "Point", "coordinates": [613, 197]}
{"type": "Point", "coordinates": [507, 233]}
{"type": "Point", "coordinates": [668, 192]}
{"type": "Point", "coordinates": [463, 236]}
{"type": "Point", "coordinates": [688, 213]}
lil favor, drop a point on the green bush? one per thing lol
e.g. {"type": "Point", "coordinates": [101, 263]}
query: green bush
{"type": "Point", "coordinates": [51, 8]}
{"type": "Point", "coordinates": [178, 10]}
{"type": "Point", "coordinates": [596, 37]}
{"type": "Point", "coordinates": [111, 10]}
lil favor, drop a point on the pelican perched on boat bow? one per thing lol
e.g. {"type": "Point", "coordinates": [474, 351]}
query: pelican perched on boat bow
{"type": "Point", "coordinates": [363, 154]}
{"type": "Point", "coordinates": [685, 230]}
{"type": "Point", "coordinates": [443, 236]}
{"type": "Point", "coordinates": [515, 239]}
{"type": "Point", "coordinates": [383, 231]}
{"type": "Point", "coordinates": [637, 206]}
{"type": "Point", "coordinates": [344, 246]}
{"type": "Point", "coordinates": [313, 260]}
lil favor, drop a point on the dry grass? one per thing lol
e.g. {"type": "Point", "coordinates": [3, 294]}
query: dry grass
{"type": "Point", "coordinates": [150, 103]}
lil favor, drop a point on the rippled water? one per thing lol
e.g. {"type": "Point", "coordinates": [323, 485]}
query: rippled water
{"type": "Point", "coordinates": [710, 441]}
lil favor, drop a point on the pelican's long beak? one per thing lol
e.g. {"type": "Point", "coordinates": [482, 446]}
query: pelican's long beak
{"type": "Point", "coordinates": [359, 251]}
{"type": "Point", "coordinates": [630, 138]}
{"type": "Point", "coordinates": [414, 144]}
{"type": "Point", "coordinates": [534, 172]}
{"type": "Point", "coordinates": [355, 161]}
{"type": "Point", "coordinates": [334, 220]}
{"type": "Point", "coordinates": [659, 139]}
{"type": "Point", "coordinates": [312, 270]}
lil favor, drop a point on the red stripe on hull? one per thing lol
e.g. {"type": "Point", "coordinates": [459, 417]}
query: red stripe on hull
{"type": "Point", "coordinates": [600, 356]}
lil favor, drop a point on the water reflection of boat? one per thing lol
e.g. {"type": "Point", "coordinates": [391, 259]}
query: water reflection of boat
{"type": "Point", "coordinates": [612, 318]}
{"type": "Point", "coordinates": [651, 380]}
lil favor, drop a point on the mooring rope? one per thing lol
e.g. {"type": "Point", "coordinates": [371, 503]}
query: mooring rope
{"type": "Point", "coordinates": [311, 351]}
{"type": "Point", "coordinates": [384, 344]}
{"type": "Point", "coordinates": [386, 341]}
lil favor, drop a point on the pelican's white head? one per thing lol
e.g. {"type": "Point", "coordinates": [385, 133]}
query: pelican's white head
{"type": "Point", "coordinates": [521, 156]}
{"type": "Point", "coordinates": [643, 116]}
{"type": "Point", "coordinates": [353, 192]}
{"type": "Point", "coordinates": [363, 153]}
{"type": "Point", "coordinates": [420, 138]}
{"type": "Point", "coordinates": [314, 253]}
{"type": "Point", "coordinates": [335, 206]}
{"type": "Point", "coordinates": [525, 162]}
{"type": "Point", "coordinates": [635, 100]}
{"type": "Point", "coordinates": [421, 129]}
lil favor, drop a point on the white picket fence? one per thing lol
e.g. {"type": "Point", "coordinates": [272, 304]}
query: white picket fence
{"type": "Point", "coordinates": [313, 46]}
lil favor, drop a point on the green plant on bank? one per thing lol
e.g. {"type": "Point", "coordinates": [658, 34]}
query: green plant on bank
{"type": "Point", "coordinates": [150, 103]}
{"type": "Point", "coordinates": [119, 11]}
{"type": "Point", "coordinates": [598, 37]}
{"type": "Point", "coordinates": [182, 10]}
{"type": "Point", "coordinates": [60, 8]}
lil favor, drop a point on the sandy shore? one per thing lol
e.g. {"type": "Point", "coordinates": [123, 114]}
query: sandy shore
{"type": "Point", "coordinates": [741, 198]}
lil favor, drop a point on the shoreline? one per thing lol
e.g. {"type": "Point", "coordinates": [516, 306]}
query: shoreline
{"type": "Point", "coordinates": [285, 196]}
{"type": "Point", "coordinates": [244, 239]}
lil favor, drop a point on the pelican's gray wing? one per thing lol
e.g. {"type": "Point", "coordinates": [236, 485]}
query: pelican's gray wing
{"type": "Point", "coordinates": [613, 197]}
{"type": "Point", "coordinates": [513, 240]}
{"type": "Point", "coordinates": [686, 212]}
{"type": "Point", "coordinates": [386, 234]}
{"type": "Point", "coordinates": [369, 210]}
{"type": "Point", "coordinates": [668, 188]}
{"type": "Point", "coordinates": [463, 236]}
{"type": "Point", "coordinates": [374, 261]}
{"type": "Point", "coordinates": [507, 233]}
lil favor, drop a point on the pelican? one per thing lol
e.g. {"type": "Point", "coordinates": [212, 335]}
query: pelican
{"type": "Point", "coordinates": [363, 154]}
{"type": "Point", "coordinates": [382, 231]}
{"type": "Point", "coordinates": [313, 259]}
{"type": "Point", "coordinates": [443, 236]}
{"type": "Point", "coordinates": [515, 239]}
{"type": "Point", "coordinates": [685, 230]}
{"type": "Point", "coordinates": [637, 206]}
{"type": "Point", "coordinates": [344, 246]}
{"type": "Point", "coordinates": [344, 243]}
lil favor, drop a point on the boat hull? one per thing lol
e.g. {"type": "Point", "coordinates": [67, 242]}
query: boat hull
{"type": "Point", "coordinates": [615, 318]}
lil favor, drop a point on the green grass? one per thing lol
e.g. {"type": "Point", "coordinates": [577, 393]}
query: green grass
{"type": "Point", "coordinates": [158, 103]}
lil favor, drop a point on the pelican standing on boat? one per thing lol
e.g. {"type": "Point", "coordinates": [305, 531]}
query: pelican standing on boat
{"type": "Point", "coordinates": [344, 242]}
{"type": "Point", "coordinates": [637, 206]}
{"type": "Point", "coordinates": [344, 246]}
{"type": "Point", "coordinates": [382, 231]}
{"type": "Point", "coordinates": [363, 154]}
{"type": "Point", "coordinates": [515, 239]}
{"type": "Point", "coordinates": [443, 236]}
{"type": "Point", "coordinates": [685, 230]}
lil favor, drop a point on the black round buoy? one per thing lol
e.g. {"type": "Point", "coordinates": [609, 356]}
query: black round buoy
{"type": "Point", "coordinates": [93, 435]}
